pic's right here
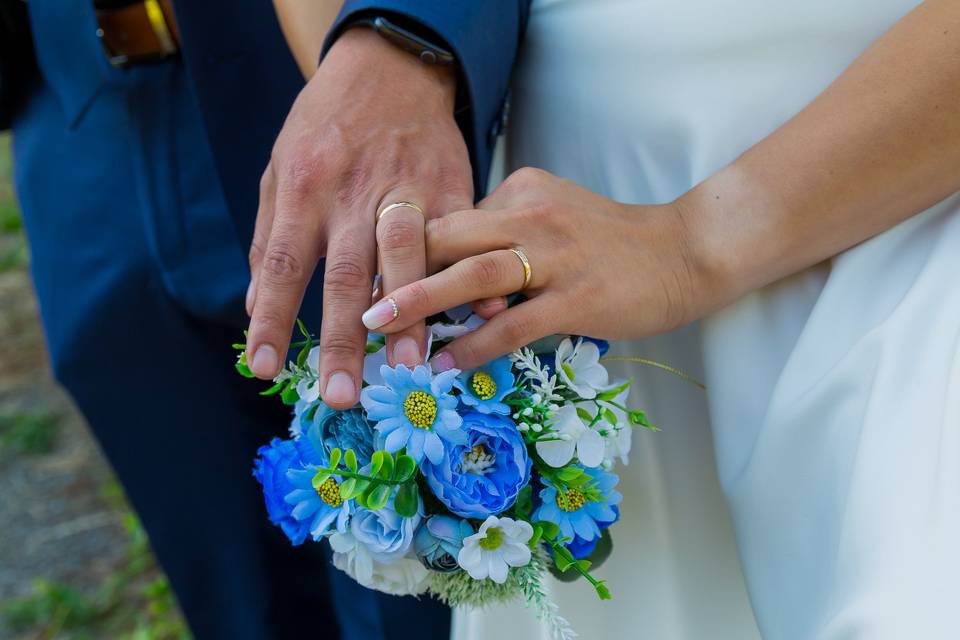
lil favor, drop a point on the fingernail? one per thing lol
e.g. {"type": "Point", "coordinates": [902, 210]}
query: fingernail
{"type": "Point", "coordinates": [380, 314]}
{"type": "Point", "coordinates": [340, 389]}
{"type": "Point", "coordinates": [441, 362]}
{"type": "Point", "coordinates": [264, 364]}
{"type": "Point", "coordinates": [406, 351]}
{"type": "Point", "coordinates": [249, 300]}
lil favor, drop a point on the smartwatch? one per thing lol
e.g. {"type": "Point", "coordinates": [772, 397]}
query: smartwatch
{"type": "Point", "coordinates": [426, 51]}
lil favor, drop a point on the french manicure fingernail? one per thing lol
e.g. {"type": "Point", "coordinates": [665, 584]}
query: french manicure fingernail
{"type": "Point", "coordinates": [380, 314]}
{"type": "Point", "coordinates": [340, 388]}
{"type": "Point", "coordinates": [406, 351]}
{"type": "Point", "coordinates": [264, 364]}
{"type": "Point", "coordinates": [441, 362]}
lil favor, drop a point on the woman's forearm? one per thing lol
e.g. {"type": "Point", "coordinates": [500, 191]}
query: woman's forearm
{"type": "Point", "coordinates": [304, 24]}
{"type": "Point", "coordinates": [881, 144]}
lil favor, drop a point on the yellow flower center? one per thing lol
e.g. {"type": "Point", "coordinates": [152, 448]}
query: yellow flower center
{"type": "Point", "coordinates": [329, 492]}
{"type": "Point", "coordinates": [482, 385]}
{"type": "Point", "coordinates": [493, 539]}
{"type": "Point", "coordinates": [421, 409]}
{"type": "Point", "coordinates": [572, 500]}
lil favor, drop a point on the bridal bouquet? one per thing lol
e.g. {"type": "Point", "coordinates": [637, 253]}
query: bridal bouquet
{"type": "Point", "coordinates": [467, 485]}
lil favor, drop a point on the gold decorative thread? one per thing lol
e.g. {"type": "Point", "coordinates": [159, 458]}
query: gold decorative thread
{"type": "Point", "coordinates": [659, 365]}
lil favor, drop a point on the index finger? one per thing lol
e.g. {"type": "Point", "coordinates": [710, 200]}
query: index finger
{"type": "Point", "coordinates": [289, 260]}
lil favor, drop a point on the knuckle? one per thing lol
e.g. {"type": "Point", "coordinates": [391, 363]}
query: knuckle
{"type": "Point", "coordinates": [353, 183]}
{"type": "Point", "coordinates": [282, 263]}
{"type": "Point", "coordinates": [345, 274]}
{"type": "Point", "coordinates": [399, 232]}
{"type": "Point", "coordinates": [485, 271]}
{"type": "Point", "coordinates": [418, 295]}
{"type": "Point", "coordinates": [338, 343]}
{"type": "Point", "coordinates": [302, 175]}
{"type": "Point", "coordinates": [515, 328]}
{"type": "Point", "coordinates": [270, 322]}
{"type": "Point", "coordinates": [526, 178]}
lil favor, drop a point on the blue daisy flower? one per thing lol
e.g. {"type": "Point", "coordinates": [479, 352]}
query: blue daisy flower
{"type": "Point", "coordinates": [575, 513]}
{"type": "Point", "coordinates": [483, 389]}
{"type": "Point", "coordinates": [323, 508]}
{"type": "Point", "coordinates": [415, 409]}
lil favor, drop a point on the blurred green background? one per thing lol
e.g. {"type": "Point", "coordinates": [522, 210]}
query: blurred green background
{"type": "Point", "coordinates": [74, 561]}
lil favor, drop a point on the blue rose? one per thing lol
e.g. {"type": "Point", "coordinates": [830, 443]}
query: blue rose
{"type": "Point", "coordinates": [482, 476]}
{"type": "Point", "coordinates": [438, 541]}
{"type": "Point", "coordinates": [386, 534]}
{"type": "Point", "coordinates": [340, 430]}
{"type": "Point", "coordinates": [270, 469]}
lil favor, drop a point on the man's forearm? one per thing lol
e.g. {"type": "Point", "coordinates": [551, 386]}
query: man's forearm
{"type": "Point", "coordinates": [881, 144]}
{"type": "Point", "coordinates": [305, 24]}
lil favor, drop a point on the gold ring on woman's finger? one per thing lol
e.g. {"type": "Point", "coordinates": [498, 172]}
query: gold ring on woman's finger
{"type": "Point", "coordinates": [527, 270]}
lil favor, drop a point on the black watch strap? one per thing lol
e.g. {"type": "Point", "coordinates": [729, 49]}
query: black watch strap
{"type": "Point", "coordinates": [428, 52]}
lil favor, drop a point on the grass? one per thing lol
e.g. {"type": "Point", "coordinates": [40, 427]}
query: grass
{"type": "Point", "coordinates": [28, 433]}
{"type": "Point", "coordinates": [135, 602]}
{"type": "Point", "coordinates": [13, 247]}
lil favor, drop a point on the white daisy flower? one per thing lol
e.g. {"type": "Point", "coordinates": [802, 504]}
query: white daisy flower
{"type": "Point", "coordinates": [309, 388]}
{"type": "Point", "coordinates": [569, 436]}
{"type": "Point", "coordinates": [579, 368]}
{"type": "Point", "coordinates": [500, 543]}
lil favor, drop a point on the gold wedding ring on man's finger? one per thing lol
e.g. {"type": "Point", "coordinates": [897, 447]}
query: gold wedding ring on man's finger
{"type": "Point", "coordinates": [525, 262]}
{"type": "Point", "coordinates": [399, 205]}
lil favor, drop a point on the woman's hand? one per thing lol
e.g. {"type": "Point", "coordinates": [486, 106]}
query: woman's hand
{"type": "Point", "coordinates": [598, 268]}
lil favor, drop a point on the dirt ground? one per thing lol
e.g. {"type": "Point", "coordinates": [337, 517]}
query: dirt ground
{"type": "Point", "coordinates": [74, 562]}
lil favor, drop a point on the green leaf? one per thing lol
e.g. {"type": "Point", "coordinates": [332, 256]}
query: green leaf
{"type": "Point", "coordinates": [350, 459]}
{"type": "Point", "coordinates": [320, 478]}
{"type": "Point", "coordinates": [570, 474]}
{"type": "Point", "coordinates": [302, 356]}
{"type": "Point", "coordinates": [523, 507]}
{"type": "Point", "coordinates": [242, 367]}
{"type": "Point", "coordinates": [610, 416]}
{"type": "Point", "coordinates": [376, 463]}
{"type": "Point", "coordinates": [561, 560]}
{"type": "Point", "coordinates": [602, 591]}
{"type": "Point", "coordinates": [359, 489]}
{"type": "Point", "coordinates": [537, 535]}
{"type": "Point", "coordinates": [584, 414]}
{"type": "Point", "coordinates": [335, 457]}
{"type": "Point", "coordinates": [378, 497]}
{"type": "Point", "coordinates": [275, 389]}
{"type": "Point", "coordinates": [406, 467]}
{"type": "Point", "coordinates": [611, 394]}
{"type": "Point", "coordinates": [407, 500]}
{"type": "Point", "coordinates": [290, 395]}
{"type": "Point", "coordinates": [584, 564]}
{"type": "Point", "coordinates": [550, 529]}
{"type": "Point", "coordinates": [347, 488]}
{"type": "Point", "coordinates": [386, 471]}
{"type": "Point", "coordinates": [303, 329]}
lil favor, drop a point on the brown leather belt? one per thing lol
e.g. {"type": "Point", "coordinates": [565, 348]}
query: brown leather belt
{"type": "Point", "coordinates": [144, 31]}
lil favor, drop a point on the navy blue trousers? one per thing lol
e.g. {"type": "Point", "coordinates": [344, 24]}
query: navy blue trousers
{"type": "Point", "coordinates": [140, 276]}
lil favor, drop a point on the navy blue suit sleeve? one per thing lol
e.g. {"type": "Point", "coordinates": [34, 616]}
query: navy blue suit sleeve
{"type": "Point", "coordinates": [485, 36]}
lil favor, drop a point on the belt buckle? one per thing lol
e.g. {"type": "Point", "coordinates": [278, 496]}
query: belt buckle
{"type": "Point", "coordinates": [161, 30]}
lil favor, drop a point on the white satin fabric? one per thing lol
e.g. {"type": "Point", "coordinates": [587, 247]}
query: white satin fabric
{"type": "Point", "coordinates": [833, 412]}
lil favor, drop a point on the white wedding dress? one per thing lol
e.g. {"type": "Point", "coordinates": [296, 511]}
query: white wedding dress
{"type": "Point", "coordinates": [830, 435]}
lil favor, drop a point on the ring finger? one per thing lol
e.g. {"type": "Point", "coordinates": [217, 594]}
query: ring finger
{"type": "Point", "coordinates": [402, 258]}
{"type": "Point", "coordinates": [489, 275]}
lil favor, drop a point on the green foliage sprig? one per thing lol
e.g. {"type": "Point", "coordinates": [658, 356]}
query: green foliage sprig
{"type": "Point", "coordinates": [549, 533]}
{"type": "Point", "coordinates": [373, 488]}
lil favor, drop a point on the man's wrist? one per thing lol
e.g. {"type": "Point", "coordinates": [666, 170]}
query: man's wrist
{"type": "Point", "coordinates": [435, 85]}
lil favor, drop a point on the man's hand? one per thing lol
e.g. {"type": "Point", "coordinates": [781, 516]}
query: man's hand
{"type": "Point", "coordinates": [374, 126]}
